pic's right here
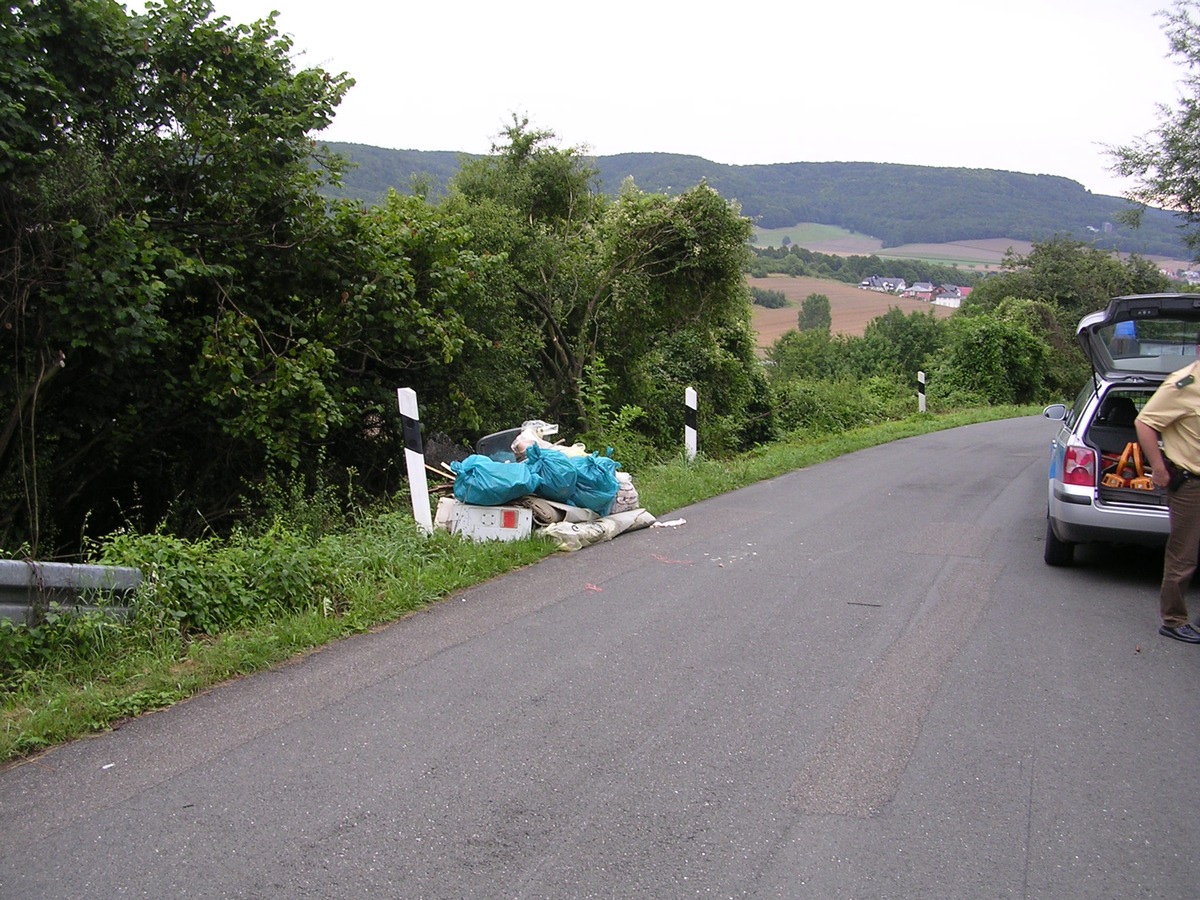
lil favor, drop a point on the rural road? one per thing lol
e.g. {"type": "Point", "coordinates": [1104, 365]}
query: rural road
{"type": "Point", "coordinates": [858, 680]}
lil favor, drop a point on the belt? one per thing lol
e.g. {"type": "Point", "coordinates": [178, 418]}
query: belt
{"type": "Point", "coordinates": [1178, 475]}
{"type": "Point", "coordinates": [1179, 470]}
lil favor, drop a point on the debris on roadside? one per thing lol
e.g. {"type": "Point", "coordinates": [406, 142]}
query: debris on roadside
{"type": "Point", "coordinates": [517, 479]}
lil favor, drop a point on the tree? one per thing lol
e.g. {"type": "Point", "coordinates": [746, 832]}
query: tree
{"type": "Point", "coordinates": [993, 358]}
{"type": "Point", "coordinates": [815, 314]}
{"type": "Point", "coordinates": [535, 205]}
{"type": "Point", "coordinates": [812, 354]}
{"type": "Point", "coordinates": [607, 284]}
{"type": "Point", "coordinates": [899, 345]}
{"type": "Point", "coordinates": [160, 190]}
{"type": "Point", "coordinates": [1166, 163]}
{"type": "Point", "coordinates": [1065, 366]}
{"type": "Point", "coordinates": [1072, 276]}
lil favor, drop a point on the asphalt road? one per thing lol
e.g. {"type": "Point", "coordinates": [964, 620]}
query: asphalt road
{"type": "Point", "coordinates": [858, 680]}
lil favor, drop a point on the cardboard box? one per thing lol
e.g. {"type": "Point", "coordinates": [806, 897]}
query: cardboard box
{"type": "Point", "coordinates": [491, 523]}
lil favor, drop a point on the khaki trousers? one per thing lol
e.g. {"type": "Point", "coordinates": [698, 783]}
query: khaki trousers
{"type": "Point", "coordinates": [1183, 545]}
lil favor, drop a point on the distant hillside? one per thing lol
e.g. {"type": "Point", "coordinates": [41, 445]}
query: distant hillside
{"type": "Point", "coordinates": [376, 170]}
{"type": "Point", "coordinates": [898, 204]}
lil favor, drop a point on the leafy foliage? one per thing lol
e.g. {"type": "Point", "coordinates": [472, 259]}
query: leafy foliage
{"type": "Point", "coordinates": [899, 344]}
{"type": "Point", "coordinates": [820, 407]}
{"type": "Point", "coordinates": [997, 358]}
{"type": "Point", "coordinates": [151, 235]}
{"type": "Point", "coordinates": [1165, 162]}
{"type": "Point", "coordinates": [1072, 276]}
{"type": "Point", "coordinates": [615, 281]}
{"type": "Point", "coordinates": [768, 299]}
{"type": "Point", "coordinates": [815, 314]}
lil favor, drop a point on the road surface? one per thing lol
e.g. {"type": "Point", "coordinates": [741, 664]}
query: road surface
{"type": "Point", "coordinates": [857, 680]}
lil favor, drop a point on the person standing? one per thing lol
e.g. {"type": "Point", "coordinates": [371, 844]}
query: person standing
{"type": "Point", "coordinates": [1172, 415]}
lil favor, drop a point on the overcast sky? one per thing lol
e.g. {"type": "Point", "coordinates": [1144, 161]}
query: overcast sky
{"type": "Point", "coordinates": [1035, 86]}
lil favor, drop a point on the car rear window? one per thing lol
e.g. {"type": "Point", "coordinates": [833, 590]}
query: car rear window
{"type": "Point", "coordinates": [1157, 346]}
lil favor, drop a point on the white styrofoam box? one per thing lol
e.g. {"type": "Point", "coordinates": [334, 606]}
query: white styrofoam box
{"type": "Point", "coordinates": [443, 518]}
{"type": "Point", "coordinates": [491, 523]}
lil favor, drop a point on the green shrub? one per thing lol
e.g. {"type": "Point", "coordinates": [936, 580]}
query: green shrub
{"type": "Point", "coordinates": [1000, 360]}
{"type": "Point", "coordinates": [827, 407]}
{"type": "Point", "coordinates": [210, 585]}
{"type": "Point", "coordinates": [768, 299]}
{"type": "Point", "coordinates": [64, 638]}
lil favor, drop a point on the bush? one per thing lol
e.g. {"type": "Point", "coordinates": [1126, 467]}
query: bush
{"type": "Point", "coordinates": [827, 407]}
{"type": "Point", "coordinates": [208, 586]}
{"type": "Point", "coordinates": [63, 637]}
{"type": "Point", "coordinates": [734, 400]}
{"type": "Point", "coordinates": [1001, 361]}
{"type": "Point", "coordinates": [768, 299]}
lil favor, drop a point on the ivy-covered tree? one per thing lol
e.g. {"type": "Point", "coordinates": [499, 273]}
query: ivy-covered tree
{"type": "Point", "coordinates": [899, 345]}
{"type": "Point", "coordinates": [607, 284]}
{"type": "Point", "coordinates": [536, 204]}
{"type": "Point", "coordinates": [994, 358]}
{"type": "Point", "coordinates": [811, 354]}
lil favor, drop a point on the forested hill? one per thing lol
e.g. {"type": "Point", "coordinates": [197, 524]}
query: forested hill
{"type": "Point", "coordinates": [898, 204]}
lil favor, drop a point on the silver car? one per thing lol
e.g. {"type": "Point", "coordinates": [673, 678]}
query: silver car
{"type": "Point", "coordinates": [1098, 488]}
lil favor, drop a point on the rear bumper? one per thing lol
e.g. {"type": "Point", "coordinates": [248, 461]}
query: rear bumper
{"type": "Point", "coordinates": [1077, 517]}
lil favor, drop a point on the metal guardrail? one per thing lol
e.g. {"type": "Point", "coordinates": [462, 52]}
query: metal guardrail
{"type": "Point", "coordinates": [27, 588]}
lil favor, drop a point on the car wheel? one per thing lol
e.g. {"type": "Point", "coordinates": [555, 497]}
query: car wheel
{"type": "Point", "coordinates": [1056, 552]}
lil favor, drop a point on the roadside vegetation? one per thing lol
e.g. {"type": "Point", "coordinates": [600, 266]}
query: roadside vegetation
{"type": "Point", "coordinates": [205, 350]}
{"type": "Point", "coordinates": [224, 607]}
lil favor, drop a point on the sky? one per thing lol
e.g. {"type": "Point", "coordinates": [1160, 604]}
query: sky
{"type": "Point", "coordinates": [1035, 86]}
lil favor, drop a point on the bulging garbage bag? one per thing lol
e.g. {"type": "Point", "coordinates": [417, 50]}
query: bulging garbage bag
{"type": "Point", "coordinates": [555, 472]}
{"type": "Point", "coordinates": [595, 483]}
{"type": "Point", "coordinates": [482, 481]}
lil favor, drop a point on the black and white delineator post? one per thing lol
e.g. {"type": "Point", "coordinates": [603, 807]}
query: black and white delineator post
{"type": "Point", "coordinates": [920, 392]}
{"type": "Point", "coordinates": [414, 458]}
{"type": "Point", "coordinates": [689, 422]}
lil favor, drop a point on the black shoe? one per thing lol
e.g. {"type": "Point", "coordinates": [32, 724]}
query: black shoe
{"type": "Point", "coordinates": [1185, 633]}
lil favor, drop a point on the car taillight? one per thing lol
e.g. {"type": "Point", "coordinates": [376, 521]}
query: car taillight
{"type": "Point", "coordinates": [1079, 466]}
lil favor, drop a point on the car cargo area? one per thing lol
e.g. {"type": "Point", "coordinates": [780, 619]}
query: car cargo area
{"type": "Point", "coordinates": [1110, 433]}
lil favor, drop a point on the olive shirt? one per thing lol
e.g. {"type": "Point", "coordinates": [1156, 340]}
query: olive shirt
{"type": "Point", "coordinates": [1174, 412]}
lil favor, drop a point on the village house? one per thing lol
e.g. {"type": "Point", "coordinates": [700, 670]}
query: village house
{"type": "Point", "coordinates": [922, 290]}
{"type": "Point", "coordinates": [883, 285]}
{"type": "Point", "coordinates": [950, 295]}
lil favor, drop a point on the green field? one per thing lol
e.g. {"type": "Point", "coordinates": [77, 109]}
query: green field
{"type": "Point", "coordinates": [804, 234]}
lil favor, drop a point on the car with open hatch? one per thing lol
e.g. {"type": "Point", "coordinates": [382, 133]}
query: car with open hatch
{"type": "Point", "coordinates": [1099, 486]}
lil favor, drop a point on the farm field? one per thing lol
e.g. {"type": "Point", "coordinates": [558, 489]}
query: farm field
{"type": "Point", "coordinates": [974, 254]}
{"type": "Point", "coordinates": [982, 255]}
{"type": "Point", "coordinates": [850, 307]}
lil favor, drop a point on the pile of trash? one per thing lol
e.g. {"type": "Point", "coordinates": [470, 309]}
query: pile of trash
{"type": "Point", "coordinates": [575, 497]}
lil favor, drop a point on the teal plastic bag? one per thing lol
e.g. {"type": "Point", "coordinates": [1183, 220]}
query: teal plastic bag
{"type": "Point", "coordinates": [555, 473]}
{"type": "Point", "coordinates": [482, 481]}
{"type": "Point", "coordinates": [595, 482]}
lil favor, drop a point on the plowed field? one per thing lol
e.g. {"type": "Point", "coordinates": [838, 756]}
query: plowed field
{"type": "Point", "coordinates": [850, 307]}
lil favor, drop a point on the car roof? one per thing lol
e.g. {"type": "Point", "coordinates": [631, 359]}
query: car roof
{"type": "Point", "coordinates": [1142, 336]}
